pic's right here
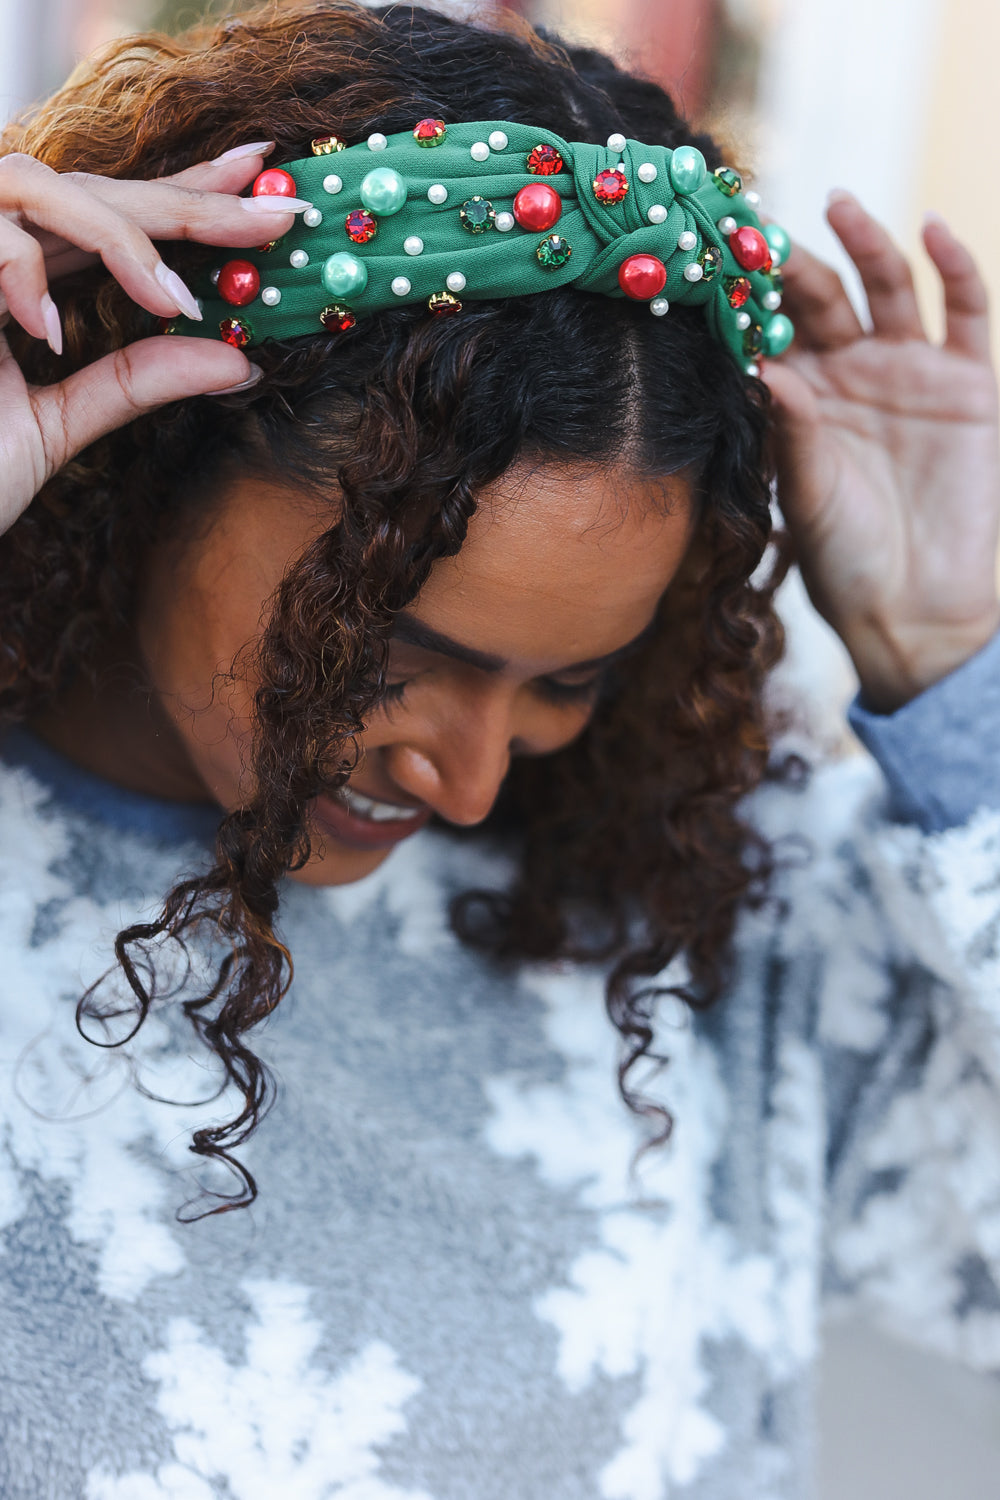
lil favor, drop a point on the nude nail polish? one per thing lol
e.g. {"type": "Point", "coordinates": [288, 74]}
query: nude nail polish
{"type": "Point", "coordinates": [182, 297]}
{"type": "Point", "coordinates": [255, 148]}
{"type": "Point", "coordinates": [244, 385]}
{"type": "Point", "coordinates": [53, 325]}
{"type": "Point", "coordinates": [272, 203]}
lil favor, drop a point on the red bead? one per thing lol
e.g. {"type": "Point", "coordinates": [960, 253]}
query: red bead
{"type": "Point", "coordinates": [543, 161]}
{"type": "Point", "coordinates": [275, 183]}
{"type": "Point", "coordinates": [537, 206]}
{"type": "Point", "coordinates": [238, 283]}
{"type": "Point", "coordinates": [361, 226]}
{"type": "Point", "coordinates": [610, 186]}
{"type": "Point", "coordinates": [642, 277]}
{"type": "Point", "coordinates": [236, 331]}
{"type": "Point", "coordinates": [750, 248]}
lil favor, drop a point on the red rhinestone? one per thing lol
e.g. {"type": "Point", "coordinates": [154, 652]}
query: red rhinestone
{"type": "Point", "coordinates": [238, 283]}
{"type": "Point", "coordinates": [543, 161]}
{"type": "Point", "coordinates": [443, 304]}
{"type": "Point", "coordinates": [537, 206]}
{"type": "Point", "coordinates": [738, 290]}
{"type": "Point", "coordinates": [236, 331]}
{"type": "Point", "coordinates": [610, 186]}
{"type": "Point", "coordinates": [337, 318]}
{"type": "Point", "coordinates": [642, 277]}
{"type": "Point", "coordinates": [361, 226]}
{"type": "Point", "coordinates": [429, 132]}
{"type": "Point", "coordinates": [750, 248]}
{"type": "Point", "coordinates": [275, 183]}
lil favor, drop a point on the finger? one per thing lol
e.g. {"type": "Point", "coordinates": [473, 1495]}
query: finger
{"type": "Point", "coordinates": [884, 270]}
{"type": "Point", "coordinates": [229, 173]}
{"type": "Point", "coordinates": [819, 306]}
{"type": "Point", "coordinates": [132, 381]}
{"type": "Point", "coordinates": [966, 301]}
{"type": "Point", "coordinates": [24, 287]}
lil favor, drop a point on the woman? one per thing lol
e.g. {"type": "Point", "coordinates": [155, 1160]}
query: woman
{"type": "Point", "coordinates": [498, 572]}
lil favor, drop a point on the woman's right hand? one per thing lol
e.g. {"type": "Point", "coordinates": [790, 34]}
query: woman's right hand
{"type": "Point", "coordinates": [52, 223]}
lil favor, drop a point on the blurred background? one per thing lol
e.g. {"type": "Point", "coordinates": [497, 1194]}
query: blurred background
{"type": "Point", "coordinates": [895, 100]}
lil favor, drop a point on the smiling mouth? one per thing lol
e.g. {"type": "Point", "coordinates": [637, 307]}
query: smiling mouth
{"type": "Point", "coordinates": [362, 822]}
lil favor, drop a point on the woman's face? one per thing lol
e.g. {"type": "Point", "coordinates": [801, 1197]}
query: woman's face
{"type": "Point", "coordinates": [502, 653]}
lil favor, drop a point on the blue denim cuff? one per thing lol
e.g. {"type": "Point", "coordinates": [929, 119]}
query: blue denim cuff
{"type": "Point", "coordinates": [940, 753]}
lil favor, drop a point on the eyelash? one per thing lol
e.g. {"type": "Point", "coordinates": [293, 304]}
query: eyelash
{"type": "Point", "coordinates": [555, 692]}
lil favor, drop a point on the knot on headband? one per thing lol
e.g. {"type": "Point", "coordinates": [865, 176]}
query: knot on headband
{"type": "Point", "coordinates": [449, 213]}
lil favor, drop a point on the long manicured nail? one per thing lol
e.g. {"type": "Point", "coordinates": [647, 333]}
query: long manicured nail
{"type": "Point", "coordinates": [53, 326]}
{"type": "Point", "coordinates": [181, 295]}
{"type": "Point", "coordinates": [228, 390]}
{"type": "Point", "coordinates": [933, 220]}
{"type": "Point", "coordinates": [272, 203]}
{"type": "Point", "coordinates": [839, 195]}
{"type": "Point", "coordinates": [255, 148]}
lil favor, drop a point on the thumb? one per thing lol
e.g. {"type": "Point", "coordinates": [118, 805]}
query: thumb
{"type": "Point", "coordinates": [127, 384]}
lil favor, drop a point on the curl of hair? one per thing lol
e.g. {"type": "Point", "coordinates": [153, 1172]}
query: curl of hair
{"type": "Point", "coordinates": [632, 835]}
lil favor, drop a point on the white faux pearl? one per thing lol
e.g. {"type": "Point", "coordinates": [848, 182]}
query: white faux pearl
{"type": "Point", "coordinates": [656, 213]}
{"type": "Point", "coordinates": [498, 141]}
{"type": "Point", "coordinates": [270, 296]}
{"type": "Point", "coordinates": [753, 369]}
{"type": "Point", "coordinates": [693, 272]}
{"type": "Point", "coordinates": [298, 259]}
{"type": "Point", "coordinates": [504, 222]}
{"type": "Point", "coordinates": [659, 306]}
{"type": "Point", "coordinates": [437, 192]}
{"type": "Point", "coordinates": [752, 198]}
{"type": "Point", "coordinates": [771, 300]}
{"type": "Point", "coordinates": [727, 224]}
{"type": "Point", "coordinates": [455, 281]}
{"type": "Point", "coordinates": [377, 141]}
{"type": "Point", "coordinates": [214, 278]}
{"type": "Point", "coordinates": [479, 151]}
{"type": "Point", "coordinates": [687, 240]}
{"type": "Point", "coordinates": [616, 142]}
{"type": "Point", "coordinates": [333, 183]}
{"type": "Point", "coordinates": [743, 320]}
{"type": "Point", "coordinates": [312, 218]}
{"type": "Point", "coordinates": [400, 286]}
{"type": "Point", "coordinates": [647, 172]}
{"type": "Point", "coordinates": [413, 244]}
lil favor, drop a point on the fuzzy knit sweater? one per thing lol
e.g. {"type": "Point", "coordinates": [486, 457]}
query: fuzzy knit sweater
{"type": "Point", "coordinates": [452, 1286]}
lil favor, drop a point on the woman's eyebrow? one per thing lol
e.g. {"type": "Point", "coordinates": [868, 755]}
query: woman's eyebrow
{"type": "Point", "coordinates": [413, 632]}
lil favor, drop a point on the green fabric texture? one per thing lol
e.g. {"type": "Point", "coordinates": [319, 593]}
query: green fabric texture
{"type": "Point", "coordinates": [498, 264]}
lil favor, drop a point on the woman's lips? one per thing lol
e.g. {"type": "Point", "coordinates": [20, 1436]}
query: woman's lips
{"type": "Point", "coordinates": [349, 826]}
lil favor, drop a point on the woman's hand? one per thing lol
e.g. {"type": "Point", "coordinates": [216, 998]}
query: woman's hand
{"type": "Point", "coordinates": [51, 224]}
{"type": "Point", "coordinates": [888, 458]}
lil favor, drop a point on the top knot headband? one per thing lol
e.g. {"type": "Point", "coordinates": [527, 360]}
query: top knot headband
{"type": "Point", "coordinates": [497, 209]}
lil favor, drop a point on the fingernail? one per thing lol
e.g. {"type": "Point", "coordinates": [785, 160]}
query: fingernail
{"type": "Point", "coordinates": [228, 390]}
{"type": "Point", "coordinates": [256, 148]}
{"type": "Point", "coordinates": [53, 326]}
{"type": "Point", "coordinates": [181, 295]}
{"type": "Point", "coordinates": [933, 218]}
{"type": "Point", "coordinates": [270, 203]}
{"type": "Point", "coordinates": [839, 195]}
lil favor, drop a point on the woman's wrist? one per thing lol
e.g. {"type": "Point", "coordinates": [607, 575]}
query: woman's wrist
{"type": "Point", "coordinates": [897, 664]}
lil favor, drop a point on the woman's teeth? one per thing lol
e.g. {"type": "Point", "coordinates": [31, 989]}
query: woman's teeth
{"type": "Point", "coordinates": [376, 812]}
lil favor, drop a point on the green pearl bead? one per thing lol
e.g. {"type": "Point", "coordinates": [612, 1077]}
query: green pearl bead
{"type": "Point", "coordinates": [778, 335]}
{"type": "Point", "coordinates": [778, 242]}
{"type": "Point", "coordinates": [383, 191]}
{"type": "Point", "coordinates": [687, 169]}
{"type": "Point", "coordinates": [344, 275]}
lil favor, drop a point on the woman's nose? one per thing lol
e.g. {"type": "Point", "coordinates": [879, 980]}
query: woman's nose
{"type": "Point", "coordinates": [458, 768]}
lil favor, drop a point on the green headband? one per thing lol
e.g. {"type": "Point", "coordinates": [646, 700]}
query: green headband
{"type": "Point", "coordinates": [494, 209]}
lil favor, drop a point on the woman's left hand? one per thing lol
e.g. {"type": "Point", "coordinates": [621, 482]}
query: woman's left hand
{"type": "Point", "coordinates": [889, 458]}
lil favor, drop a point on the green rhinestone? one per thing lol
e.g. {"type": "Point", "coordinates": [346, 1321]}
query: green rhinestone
{"type": "Point", "coordinates": [779, 335]}
{"type": "Point", "coordinates": [383, 191]}
{"type": "Point", "coordinates": [553, 251]}
{"type": "Point", "coordinates": [477, 215]}
{"type": "Point", "coordinates": [344, 275]}
{"type": "Point", "coordinates": [687, 169]}
{"type": "Point", "coordinates": [710, 260]}
{"type": "Point", "coordinates": [778, 242]}
{"type": "Point", "coordinates": [777, 281]}
{"type": "Point", "coordinates": [753, 341]}
{"type": "Point", "coordinates": [727, 181]}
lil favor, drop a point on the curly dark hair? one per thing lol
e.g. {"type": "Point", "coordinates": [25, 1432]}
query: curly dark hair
{"type": "Point", "coordinates": [629, 843]}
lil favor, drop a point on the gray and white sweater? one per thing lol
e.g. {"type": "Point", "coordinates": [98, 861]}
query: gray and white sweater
{"type": "Point", "coordinates": [452, 1287]}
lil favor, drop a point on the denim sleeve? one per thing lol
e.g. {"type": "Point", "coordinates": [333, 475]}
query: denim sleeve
{"type": "Point", "coordinates": [940, 753]}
